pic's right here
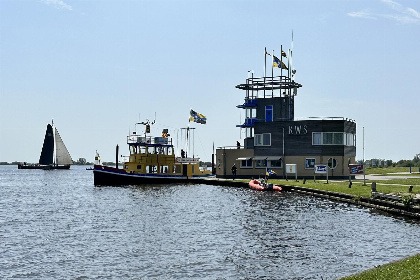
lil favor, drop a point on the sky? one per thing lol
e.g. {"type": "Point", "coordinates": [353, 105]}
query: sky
{"type": "Point", "coordinates": [99, 67]}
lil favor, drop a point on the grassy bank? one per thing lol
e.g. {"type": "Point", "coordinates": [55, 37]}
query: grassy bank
{"type": "Point", "coordinates": [400, 186]}
{"type": "Point", "coordinates": [405, 269]}
{"type": "Point", "coordinates": [390, 170]}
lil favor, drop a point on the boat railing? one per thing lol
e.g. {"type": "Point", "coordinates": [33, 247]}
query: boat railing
{"type": "Point", "coordinates": [136, 139]}
{"type": "Point", "coordinates": [187, 160]}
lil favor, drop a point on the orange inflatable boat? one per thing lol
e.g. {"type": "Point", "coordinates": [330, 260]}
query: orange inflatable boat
{"type": "Point", "coordinates": [259, 186]}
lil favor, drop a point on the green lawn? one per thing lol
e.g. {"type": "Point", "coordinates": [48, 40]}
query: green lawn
{"type": "Point", "coordinates": [387, 186]}
{"type": "Point", "coordinates": [387, 170]}
{"type": "Point", "coordinates": [405, 269]}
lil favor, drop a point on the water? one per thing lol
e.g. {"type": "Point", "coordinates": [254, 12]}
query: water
{"type": "Point", "coordinates": [57, 225]}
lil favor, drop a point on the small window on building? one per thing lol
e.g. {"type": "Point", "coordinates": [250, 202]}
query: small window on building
{"type": "Point", "coordinates": [316, 138]}
{"type": "Point", "coordinates": [262, 139]}
{"type": "Point", "coordinates": [350, 139]}
{"type": "Point", "coordinates": [331, 138]}
{"type": "Point", "coordinates": [261, 163]}
{"type": "Point", "coordinates": [275, 163]}
{"type": "Point", "coordinates": [338, 138]}
{"type": "Point", "coordinates": [327, 138]}
{"type": "Point", "coordinates": [309, 163]}
{"type": "Point", "coordinates": [246, 163]}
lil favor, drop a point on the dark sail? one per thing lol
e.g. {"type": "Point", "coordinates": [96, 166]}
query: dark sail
{"type": "Point", "coordinates": [47, 152]}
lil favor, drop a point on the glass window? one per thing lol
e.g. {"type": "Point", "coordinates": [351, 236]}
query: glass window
{"type": "Point", "coordinates": [327, 138]}
{"type": "Point", "coordinates": [246, 163]}
{"type": "Point", "coordinates": [261, 163]}
{"type": "Point", "coordinates": [338, 138]}
{"type": "Point", "coordinates": [267, 139]}
{"type": "Point", "coordinates": [316, 138]}
{"type": "Point", "coordinates": [258, 140]}
{"type": "Point", "coordinates": [275, 163]}
{"type": "Point", "coordinates": [262, 139]}
{"type": "Point", "coordinates": [350, 139]}
{"type": "Point", "coordinates": [309, 163]}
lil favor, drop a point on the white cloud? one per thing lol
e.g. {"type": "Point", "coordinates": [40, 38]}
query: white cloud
{"type": "Point", "coordinates": [362, 14]}
{"type": "Point", "coordinates": [413, 12]}
{"type": "Point", "coordinates": [59, 4]}
{"type": "Point", "coordinates": [399, 13]}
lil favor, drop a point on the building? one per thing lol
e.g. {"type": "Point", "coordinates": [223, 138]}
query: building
{"type": "Point", "coordinates": [275, 140]}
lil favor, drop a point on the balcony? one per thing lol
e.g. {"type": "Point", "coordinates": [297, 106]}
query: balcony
{"type": "Point", "coordinates": [249, 122]}
{"type": "Point", "coordinates": [249, 103]}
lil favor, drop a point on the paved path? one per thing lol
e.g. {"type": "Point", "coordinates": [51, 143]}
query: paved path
{"type": "Point", "coordinates": [377, 177]}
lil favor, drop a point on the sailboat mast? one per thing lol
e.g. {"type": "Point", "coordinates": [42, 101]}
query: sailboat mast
{"type": "Point", "coordinates": [54, 145]}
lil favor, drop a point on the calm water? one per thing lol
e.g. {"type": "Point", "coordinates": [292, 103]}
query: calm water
{"type": "Point", "coordinates": [57, 225]}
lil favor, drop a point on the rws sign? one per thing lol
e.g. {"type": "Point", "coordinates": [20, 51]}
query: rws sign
{"type": "Point", "coordinates": [298, 129]}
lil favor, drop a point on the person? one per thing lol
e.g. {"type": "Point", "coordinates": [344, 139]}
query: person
{"type": "Point", "coordinates": [234, 171]}
{"type": "Point", "coordinates": [238, 145]}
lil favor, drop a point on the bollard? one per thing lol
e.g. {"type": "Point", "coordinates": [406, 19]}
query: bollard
{"type": "Point", "coordinates": [374, 187]}
{"type": "Point", "coordinates": [350, 183]}
{"type": "Point", "coordinates": [304, 181]}
{"type": "Point", "coordinates": [410, 189]}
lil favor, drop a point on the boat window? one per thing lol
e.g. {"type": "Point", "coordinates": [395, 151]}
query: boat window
{"type": "Point", "coordinates": [177, 168]}
{"type": "Point", "coordinates": [164, 169]}
{"type": "Point", "coordinates": [151, 169]}
{"type": "Point", "coordinates": [139, 166]}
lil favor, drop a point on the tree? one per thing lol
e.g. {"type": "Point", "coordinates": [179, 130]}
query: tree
{"type": "Point", "coordinates": [81, 161]}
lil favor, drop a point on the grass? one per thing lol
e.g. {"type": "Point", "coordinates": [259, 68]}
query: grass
{"type": "Point", "coordinates": [389, 186]}
{"type": "Point", "coordinates": [389, 170]}
{"type": "Point", "coordinates": [405, 269]}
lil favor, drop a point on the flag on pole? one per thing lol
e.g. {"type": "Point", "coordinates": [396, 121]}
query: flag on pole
{"type": "Point", "coordinates": [270, 172]}
{"type": "Point", "coordinates": [197, 117]}
{"type": "Point", "coordinates": [277, 63]}
{"type": "Point", "coordinates": [283, 54]}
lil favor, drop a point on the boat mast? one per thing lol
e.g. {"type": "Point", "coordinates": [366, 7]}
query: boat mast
{"type": "Point", "coordinates": [54, 145]}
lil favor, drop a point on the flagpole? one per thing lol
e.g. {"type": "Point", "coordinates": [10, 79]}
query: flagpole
{"type": "Point", "coordinates": [265, 61]}
{"type": "Point", "coordinates": [281, 59]}
{"type": "Point", "coordinates": [272, 73]}
{"type": "Point", "coordinates": [265, 67]}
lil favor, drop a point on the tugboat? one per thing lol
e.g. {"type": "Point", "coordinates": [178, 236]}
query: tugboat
{"type": "Point", "coordinates": [152, 160]}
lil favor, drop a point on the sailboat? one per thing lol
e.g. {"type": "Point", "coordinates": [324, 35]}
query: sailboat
{"type": "Point", "coordinates": [54, 154]}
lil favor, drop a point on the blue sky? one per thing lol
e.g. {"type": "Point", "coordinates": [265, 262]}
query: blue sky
{"type": "Point", "coordinates": [98, 67]}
